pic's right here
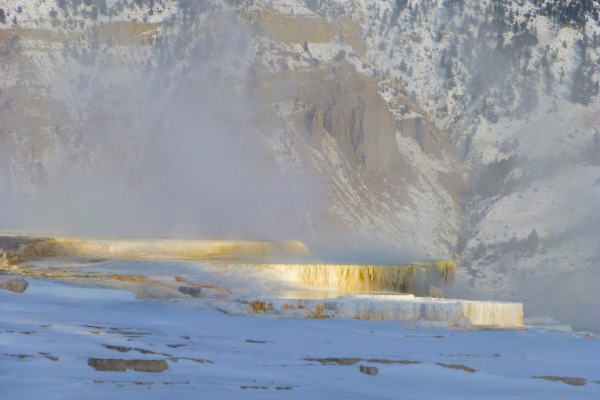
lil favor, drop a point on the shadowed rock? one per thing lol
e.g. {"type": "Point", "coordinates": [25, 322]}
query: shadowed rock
{"type": "Point", "coordinates": [110, 364]}
{"type": "Point", "coordinates": [564, 379]}
{"type": "Point", "coordinates": [335, 360]}
{"type": "Point", "coordinates": [369, 370]}
{"type": "Point", "coordinates": [14, 283]}
{"type": "Point", "coordinates": [120, 349]}
{"type": "Point", "coordinates": [457, 366]}
{"type": "Point", "coordinates": [404, 362]}
{"type": "Point", "coordinates": [190, 291]}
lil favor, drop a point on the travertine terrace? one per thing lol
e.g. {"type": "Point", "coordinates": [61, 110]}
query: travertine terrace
{"type": "Point", "coordinates": [324, 290]}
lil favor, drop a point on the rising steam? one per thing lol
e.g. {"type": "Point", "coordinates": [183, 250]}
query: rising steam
{"type": "Point", "coordinates": [169, 150]}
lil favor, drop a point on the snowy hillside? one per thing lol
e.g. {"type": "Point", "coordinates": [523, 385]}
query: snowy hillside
{"type": "Point", "coordinates": [373, 130]}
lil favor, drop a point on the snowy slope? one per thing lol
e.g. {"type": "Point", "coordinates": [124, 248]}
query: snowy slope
{"type": "Point", "coordinates": [50, 332]}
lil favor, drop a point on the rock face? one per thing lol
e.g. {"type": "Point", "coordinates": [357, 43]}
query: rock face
{"type": "Point", "coordinates": [565, 379]}
{"type": "Point", "coordinates": [14, 283]}
{"type": "Point", "coordinates": [110, 364]}
{"type": "Point", "coordinates": [369, 370]}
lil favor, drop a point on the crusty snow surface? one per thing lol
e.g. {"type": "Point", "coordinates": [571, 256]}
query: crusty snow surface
{"type": "Point", "coordinates": [48, 333]}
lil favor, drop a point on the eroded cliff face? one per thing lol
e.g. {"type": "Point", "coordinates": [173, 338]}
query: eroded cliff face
{"type": "Point", "coordinates": [89, 98]}
{"type": "Point", "coordinates": [390, 173]}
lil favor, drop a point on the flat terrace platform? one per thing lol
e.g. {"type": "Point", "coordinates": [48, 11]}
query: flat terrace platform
{"type": "Point", "coordinates": [238, 277]}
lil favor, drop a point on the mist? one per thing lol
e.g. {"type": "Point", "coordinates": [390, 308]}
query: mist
{"type": "Point", "coordinates": [172, 150]}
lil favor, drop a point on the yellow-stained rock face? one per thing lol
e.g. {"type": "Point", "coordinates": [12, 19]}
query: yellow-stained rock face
{"type": "Point", "coordinates": [407, 278]}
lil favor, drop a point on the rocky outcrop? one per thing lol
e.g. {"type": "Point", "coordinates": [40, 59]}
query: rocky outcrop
{"type": "Point", "coordinates": [111, 364]}
{"type": "Point", "coordinates": [369, 370]}
{"type": "Point", "coordinates": [347, 106]}
{"type": "Point", "coordinates": [13, 283]}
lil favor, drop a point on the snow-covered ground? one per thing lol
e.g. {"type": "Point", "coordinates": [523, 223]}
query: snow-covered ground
{"type": "Point", "coordinates": [49, 333]}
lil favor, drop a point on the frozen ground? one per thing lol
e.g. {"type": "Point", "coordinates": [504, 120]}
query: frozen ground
{"type": "Point", "coordinates": [49, 332]}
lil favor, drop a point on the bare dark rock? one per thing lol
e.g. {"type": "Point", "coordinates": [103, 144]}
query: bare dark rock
{"type": "Point", "coordinates": [335, 360]}
{"type": "Point", "coordinates": [381, 361]}
{"type": "Point", "coordinates": [190, 291]}
{"type": "Point", "coordinates": [564, 379]}
{"type": "Point", "coordinates": [458, 366]}
{"type": "Point", "coordinates": [49, 356]}
{"type": "Point", "coordinates": [14, 283]}
{"type": "Point", "coordinates": [120, 349]}
{"type": "Point", "coordinates": [196, 360]}
{"type": "Point", "coordinates": [369, 370]}
{"type": "Point", "coordinates": [110, 364]}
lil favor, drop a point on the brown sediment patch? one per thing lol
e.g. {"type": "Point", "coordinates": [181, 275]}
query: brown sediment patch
{"type": "Point", "coordinates": [49, 356]}
{"type": "Point", "coordinates": [144, 351]}
{"type": "Point", "coordinates": [27, 356]}
{"type": "Point", "coordinates": [458, 366]}
{"type": "Point", "coordinates": [293, 307]}
{"type": "Point", "coordinates": [19, 356]}
{"type": "Point", "coordinates": [196, 360]}
{"type": "Point", "coordinates": [404, 362]}
{"type": "Point", "coordinates": [564, 379]}
{"type": "Point", "coordinates": [120, 349]}
{"type": "Point", "coordinates": [319, 311]}
{"type": "Point", "coordinates": [111, 364]}
{"type": "Point", "coordinates": [335, 360]}
{"type": "Point", "coordinates": [124, 349]}
{"type": "Point", "coordinates": [260, 306]}
{"type": "Point", "coordinates": [140, 279]}
{"type": "Point", "coordinates": [174, 346]}
{"type": "Point", "coordinates": [129, 333]}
